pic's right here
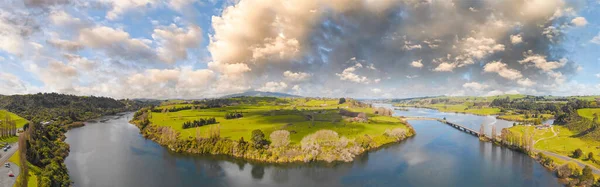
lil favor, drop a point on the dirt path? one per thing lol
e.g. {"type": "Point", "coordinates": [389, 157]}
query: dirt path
{"type": "Point", "coordinates": [555, 135]}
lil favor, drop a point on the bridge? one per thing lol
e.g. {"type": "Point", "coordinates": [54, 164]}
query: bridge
{"type": "Point", "coordinates": [455, 125]}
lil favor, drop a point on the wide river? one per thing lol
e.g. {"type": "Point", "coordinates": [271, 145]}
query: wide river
{"type": "Point", "coordinates": [111, 152]}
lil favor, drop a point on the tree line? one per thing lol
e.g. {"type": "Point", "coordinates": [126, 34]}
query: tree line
{"type": "Point", "coordinates": [8, 127]}
{"type": "Point", "coordinates": [199, 123]}
{"type": "Point", "coordinates": [234, 115]}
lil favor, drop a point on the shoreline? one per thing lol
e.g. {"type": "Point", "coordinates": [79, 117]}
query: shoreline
{"type": "Point", "coordinates": [215, 147]}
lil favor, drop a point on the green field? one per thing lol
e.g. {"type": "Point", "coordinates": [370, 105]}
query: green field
{"type": "Point", "coordinates": [462, 108]}
{"type": "Point", "coordinates": [521, 117]}
{"type": "Point", "coordinates": [271, 116]}
{"type": "Point", "coordinates": [564, 143]}
{"type": "Point", "coordinates": [32, 180]}
{"type": "Point", "coordinates": [19, 120]}
{"type": "Point", "coordinates": [589, 113]}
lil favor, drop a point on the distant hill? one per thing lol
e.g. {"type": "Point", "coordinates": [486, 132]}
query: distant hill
{"type": "Point", "coordinates": [260, 94]}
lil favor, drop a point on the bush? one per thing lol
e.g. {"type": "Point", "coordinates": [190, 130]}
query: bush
{"type": "Point", "coordinates": [258, 138]}
{"type": "Point", "coordinates": [342, 100]}
{"type": "Point", "coordinates": [280, 138]}
{"type": "Point", "coordinates": [567, 170]}
{"type": "Point", "coordinates": [587, 177]}
{"type": "Point", "coordinates": [397, 133]}
{"type": "Point", "coordinates": [577, 153]}
{"type": "Point", "coordinates": [591, 156]}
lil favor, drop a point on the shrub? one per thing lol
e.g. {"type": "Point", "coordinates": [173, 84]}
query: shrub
{"type": "Point", "coordinates": [342, 100]}
{"type": "Point", "coordinates": [577, 153]}
{"type": "Point", "coordinates": [567, 170]}
{"type": "Point", "coordinates": [280, 138]}
{"type": "Point", "coordinates": [397, 133]}
{"type": "Point", "coordinates": [258, 138]}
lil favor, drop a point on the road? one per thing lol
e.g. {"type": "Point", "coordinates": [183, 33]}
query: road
{"type": "Point", "coordinates": [6, 181]}
{"type": "Point", "coordinates": [580, 163]}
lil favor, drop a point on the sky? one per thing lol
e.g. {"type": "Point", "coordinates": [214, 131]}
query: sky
{"type": "Point", "coordinates": [191, 49]}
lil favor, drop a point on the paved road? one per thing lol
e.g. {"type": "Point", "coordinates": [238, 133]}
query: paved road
{"type": "Point", "coordinates": [580, 163]}
{"type": "Point", "coordinates": [6, 181]}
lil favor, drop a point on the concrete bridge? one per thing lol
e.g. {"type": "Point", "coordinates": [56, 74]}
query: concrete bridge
{"type": "Point", "coordinates": [455, 125]}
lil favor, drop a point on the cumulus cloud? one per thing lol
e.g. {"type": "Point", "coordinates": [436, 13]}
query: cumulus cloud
{"type": "Point", "coordinates": [503, 70]}
{"type": "Point", "coordinates": [116, 42]}
{"type": "Point", "coordinates": [475, 86]}
{"type": "Point", "coordinates": [416, 64]}
{"type": "Point", "coordinates": [174, 41]}
{"type": "Point", "coordinates": [526, 82]}
{"type": "Point", "coordinates": [445, 67]}
{"type": "Point", "coordinates": [579, 21]}
{"type": "Point", "coordinates": [516, 39]}
{"type": "Point", "coordinates": [540, 62]}
{"type": "Point", "coordinates": [119, 7]}
{"type": "Point", "coordinates": [273, 87]}
{"type": "Point", "coordinates": [296, 76]}
{"type": "Point", "coordinates": [350, 75]}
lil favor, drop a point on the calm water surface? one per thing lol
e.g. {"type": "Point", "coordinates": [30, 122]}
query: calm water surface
{"type": "Point", "coordinates": [113, 153]}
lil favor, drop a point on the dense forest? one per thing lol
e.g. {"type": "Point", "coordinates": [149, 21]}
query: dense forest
{"type": "Point", "coordinates": [50, 115]}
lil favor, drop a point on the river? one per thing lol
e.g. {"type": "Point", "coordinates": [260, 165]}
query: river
{"type": "Point", "coordinates": [111, 152]}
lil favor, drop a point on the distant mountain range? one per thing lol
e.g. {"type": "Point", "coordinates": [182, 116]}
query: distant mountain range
{"type": "Point", "coordinates": [260, 94]}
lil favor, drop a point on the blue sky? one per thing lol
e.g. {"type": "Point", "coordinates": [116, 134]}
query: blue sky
{"type": "Point", "coordinates": [354, 48]}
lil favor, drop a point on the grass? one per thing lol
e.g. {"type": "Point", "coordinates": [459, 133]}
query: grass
{"type": "Point", "coordinates": [19, 120]}
{"type": "Point", "coordinates": [588, 113]}
{"type": "Point", "coordinates": [270, 117]}
{"type": "Point", "coordinates": [11, 139]}
{"type": "Point", "coordinates": [32, 180]}
{"type": "Point", "coordinates": [462, 108]}
{"type": "Point", "coordinates": [521, 117]}
{"type": "Point", "coordinates": [564, 144]}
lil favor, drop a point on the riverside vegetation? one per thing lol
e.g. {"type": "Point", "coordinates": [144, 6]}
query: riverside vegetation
{"type": "Point", "coordinates": [575, 132]}
{"type": "Point", "coordinates": [271, 129]}
{"type": "Point", "coordinates": [45, 119]}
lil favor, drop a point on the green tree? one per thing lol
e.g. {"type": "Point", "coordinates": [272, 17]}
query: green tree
{"type": "Point", "coordinates": [342, 100]}
{"type": "Point", "coordinates": [258, 138]}
{"type": "Point", "coordinates": [591, 156]}
{"type": "Point", "coordinates": [587, 177]}
{"type": "Point", "coordinates": [577, 153]}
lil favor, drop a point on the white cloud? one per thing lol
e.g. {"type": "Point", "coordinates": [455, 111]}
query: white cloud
{"type": "Point", "coordinates": [116, 42]}
{"type": "Point", "coordinates": [579, 21]}
{"type": "Point", "coordinates": [481, 47]}
{"type": "Point", "coordinates": [475, 86]}
{"type": "Point", "coordinates": [296, 76]}
{"type": "Point", "coordinates": [596, 39]}
{"type": "Point", "coordinates": [516, 39]}
{"type": "Point", "coordinates": [273, 87]}
{"type": "Point", "coordinates": [503, 70]}
{"type": "Point", "coordinates": [348, 74]}
{"type": "Point", "coordinates": [11, 84]}
{"type": "Point", "coordinates": [376, 90]}
{"type": "Point", "coordinates": [445, 67]}
{"type": "Point", "coordinates": [174, 41]}
{"type": "Point", "coordinates": [119, 7]}
{"type": "Point", "coordinates": [525, 82]}
{"type": "Point", "coordinates": [598, 75]}
{"type": "Point", "coordinates": [417, 63]}
{"type": "Point", "coordinates": [540, 62]}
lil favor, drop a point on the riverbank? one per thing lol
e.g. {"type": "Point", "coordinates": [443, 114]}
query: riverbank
{"type": "Point", "coordinates": [325, 143]}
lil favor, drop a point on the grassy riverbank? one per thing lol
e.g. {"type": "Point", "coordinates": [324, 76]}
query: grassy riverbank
{"type": "Point", "coordinates": [315, 129]}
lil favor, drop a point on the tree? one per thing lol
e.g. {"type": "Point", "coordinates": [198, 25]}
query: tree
{"type": "Point", "coordinates": [258, 138]}
{"type": "Point", "coordinates": [280, 138]}
{"type": "Point", "coordinates": [342, 100]}
{"type": "Point", "coordinates": [587, 177]}
{"type": "Point", "coordinates": [591, 156]}
{"type": "Point", "coordinates": [577, 153]}
{"type": "Point", "coordinates": [24, 173]}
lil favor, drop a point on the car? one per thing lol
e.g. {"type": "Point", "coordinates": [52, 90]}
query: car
{"type": "Point", "coordinates": [7, 165]}
{"type": "Point", "coordinates": [5, 149]}
{"type": "Point", "coordinates": [10, 174]}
